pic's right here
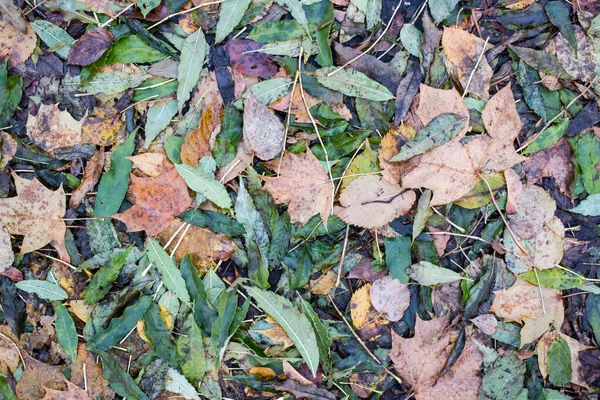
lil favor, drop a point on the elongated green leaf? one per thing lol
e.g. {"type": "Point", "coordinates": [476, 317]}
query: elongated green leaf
{"type": "Point", "coordinates": [231, 14]}
{"type": "Point", "coordinates": [104, 277]}
{"type": "Point", "coordinates": [397, 257]}
{"type": "Point", "coordinates": [353, 83]}
{"type": "Point", "coordinates": [412, 39]}
{"type": "Point", "coordinates": [44, 289]}
{"type": "Point", "coordinates": [190, 65]}
{"type": "Point", "coordinates": [213, 220]}
{"type": "Point", "coordinates": [191, 352]}
{"type": "Point", "coordinates": [132, 49]}
{"type": "Point", "coordinates": [168, 270]}
{"type": "Point", "coordinates": [113, 184]}
{"type": "Point", "coordinates": [559, 16]}
{"type": "Point", "coordinates": [53, 37]}
{"type": "Point", "coordinates": [505, 376]}
{"type": "Point", "coordinates": [157, 332]}
{"type": "Point", "coordinates": [548, 137]}
{"type": "Point", "coordinates": [277, 31]}
{"type": "Point", "coordinates": [587, 152]}
{"type": "Point", "coordinates": [426, 274]}
{"type": "Point", "coordinates": [297, 12]}
{"type": "Point", "coordinates": [199, 181]}
{"type": "Point", "coordinates": [553, 278]}
{"type": "Point", "coordinates": [111, 82]}
{"type": "Point", "coordinates": [6, 392]}
{"type": "Point", "coordinates": [226, 307]}
{"type": "Point", "coordinates": [159, 117]}
{"type": "Point", "coordinates": [272, 89]}
{"type": "Point", "coordinates": [227, 140]}
{"type": "Point", "coordinates": [120, 381]}
{"type": "Point", "coordinates": [10, 93]}
{"type": "Point", "coordinates": [119, 327]}
{"type": "Point", "coordinates": [440, 130]}
{"type": "Point", "coordinates": [323, 339]}
{"type": "Point", "coordinates": [294, 323]}
{"type": "Point", "coordinates": [559, 362]}
{"type": "Point", "coordinates": [65, 330]}
{"type": "Point", "coordinates": [590, 206]}
{"type": "Point", "coordinates": [440, 9]}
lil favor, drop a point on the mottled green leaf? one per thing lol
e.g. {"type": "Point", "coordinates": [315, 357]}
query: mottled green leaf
{"type": "Point", "coordinates": [110, 82]}
{"type": "Point", "coordinates": [231, 14]}
{"type": "Point", "coordinates": [146, 6]}
{"type": "Point", "coordinates": [104, 277]}
{"type": "Point", "coordinates": [226, 143]}
{"type": "Point", "coordinates": [590, 206]}
{"type": "Point", "coordinates": [120, 381]}
{"type": "Point", "coordinates": [504, 378]}
{"type": "Point", "coordinates": [548, 137]}
{"type": "Point", "coordinates": [157, 332]}
{"type": "Point", "coordinates": [397, 257]}
{"type": "Point", "coordinates": [53, 37]}
{"type": "Point", "coordinates": [190, 349]}
{"type": "Point", "coordinates": [213, 220]}
{"type": "Point", "coordinates": [372, 10]}
{"type": "Point", "coordinates": [553, 278]}
{"type": "Point", "coordinates": [541, 61]}
{"type": "Point", "coordinates": [297, 12]}
{"type": "Point", "coordinates": [178, 383]}
{"type": "Point", "coordinates": [190, 65]}
{"type": "Point", "coordinates": [43, 289]}
{"type": "Point", "coordinates": [271, 89]}
{"type": "Point", "coordinates": [10, 94]}
{"type": "Point", "coordinates": [201, 182]}
{"type": "Point", "coordinates": [65, 330]}
{"type": "Point", "coordinates": [168, 270]}
{"type": "Point", "coordinates": [353, 83]}
{"type": "Point", "coordinates": [559, 362]}
{"type": "Point", "coordinates": [587, 152]}
{"type": "Point", "coordinates": [558, 13]}
{"type": "Point", "coordinates": [412, 39]}
{"type": "Point", "coordinates": [323, 339]}
{"type": "Point", "coordinates": [159, 117]}
{"type": "Point", "coordinates": [276, 31]}
{"type": "Point", "coordinates": [426, 274]}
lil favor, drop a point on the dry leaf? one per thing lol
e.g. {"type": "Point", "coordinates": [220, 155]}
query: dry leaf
{"type": "Point", "coordinates": [554, 162]}
{"type": "Point", "coordinates": [52, 129]}
{"type": "Point", "coordinates": [103, 127]}
{"type": "Point", "coordinates": [324, 283]}
{"type": "Point", "coordinates": [36, 213]}
{"type": "Point", "coordinates": [236, 166]}
{"type": "Point", "coordinates": [362, 312]}
{"type": "Point", "coordinates": [298, 108]}
{"type": "Point", "coordinates": [434, 102]}
{"type": "Point", "coordinates": [37, 378]}
{"type": "Point", "coordinates": [90, 47]}
{"type": "Point", "coordinates": [197, 144]}
{"type": "Point", "coordinates": [8, 149]}
{"type": "Point", "coordinates": [264, 134]}
{"type": "Point", "coordinates": [73, 392]}
{"type": "Point", "coordinates": [463, 61]}
{"type": "Point", "coordinates": [370, 202]}
{"type": "Point", "coordinates": [80, 309]}
{"type": "Point", "coordinates": [420, 359]}
{"type": "Point", "coordinates": [6, 254]}
{"type": "Point", "coordinates": [151, 164]}
{"type": "Point", "coordinates": [156, 201]}
{"type": "Point", "coordinates": [390, 146]}
{"type": "Point", "coordinates": [486, 323]}
{"type": "Point", "coordinates": [303, 183]}
{"type": "Point", "coordinates": [97, 386]}
{"type": "Point", "coordinates": [534, 209]}
{"type": "Point", "coordinates": [391, 297]}
{"type": "Point", "coordinates": [514, 187]}
{"type": "Point", "coordinates": [91, 176]}
{"type": "Point", "coordinates": [14, 44]}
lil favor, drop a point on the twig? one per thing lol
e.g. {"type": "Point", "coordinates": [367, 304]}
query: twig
{"type": "Point", "coordinates": [56, 259]}
{"type": "Point", "coordinates": [189, 10]}
{"type": "Point", "coordinates": [287, 121]}
{"type": "Point", "coordinates": [476, 66]}
{"type": "Point", "coordinates": [339, 274]}
{"type": "Point", "coordinates": [117, 16]}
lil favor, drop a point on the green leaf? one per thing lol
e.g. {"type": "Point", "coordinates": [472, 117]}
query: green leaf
{"type": "Point", "coordinates": [590, 206]}
{"type": "Point", "coordinates": [157, 332]}
{"type": "Point", "coordinates": [168, 270]}
{"type": "Point", "coordinates": [45, 290]}
{"type": "Point", "coordinates": [294, 323]}
{"type": "Point", "coordinates": [65, 330]}
{"type": "Point", "coordinates": [440, 9]}
{"type": "Point", "coordinates": [559, 362]}
{"type": "Point", "coordinates": [559, 16]}
{"type": "Point", "coordinates": [132, 49]}
{"type": "Point", "coordinates": [199, 181]}
{"type": "Point", "coordinates": [190, 65]}
{"type": "Point", "coordinates": [190, 349]}
{"type": "Point", "coordinates": [177, 383]}
{"type": "Point", "coordinates": [112, 82]}
{"type": "Point", "coordinates": [6, 392]}
{"type": "Point", "coordinates": [113, 184]}
{"type": "Point", "coordinates": [541, 61]}
{"type": "Point", "coordinates": [120, 381]}
{"type": "Point", "coordinates": [159, 117]}
{"type": "Point", "coordinates": [504, 378]}
{"type": "Point", "coordinates": [231, 14]}
{"type": "Point", "coordinates": [353, 83]}
{"type": "Point", "coordinates": [213, 220]}
{"type": "Point", "coordinates": [277, 31]}
{"type": "Point", "coordinates": [587, 152]}
{"type": "Point", "coordinates": [426, 274]}
{"type": "Point", "coordinates": [297, 12]}
{"type": "Point", "coordinates": [10, 94]}
{"type": "Point", "coordinates": [220, 332]}
{"type": "Point", "coordinates": [102, 234]}
{"type": "Point", "coordinates": [397, 257]}
{"type": "Point", "coordinates": [119, 327]}
{"type": "Point", "coordinates": [256, 235]}
{"type": "Point", "coordinates": [173, 146]}
{"type": "Point", "coordinates": [424, 212]}
{"type": "Point", "coordinates": [553, 278]}
{"type": "Point", "coordinates": [323, 339]}
{"type": "Point", "coordinates": [372, 10]}
{"type": "Point", "coordinates": [53, 37]}
{"type": "Point", "coordinates": [412, 39]}
{"type": "Point", "coordinates": [272, 89]}
{"type": "Point", "coordinates": [155, 89]}
{"type": "Point", "coordinates": [104, 277]}
{"type": "Point", "coordinates": [146, 6]}
{"type": "Point", "coordinates": [548, 137]}
{"type": "Point", "coordinates": [544, 102]}
{"type": "Point", "coordinates": [440, 130]}
{"type": "Point", "coordinates": [226, 143]}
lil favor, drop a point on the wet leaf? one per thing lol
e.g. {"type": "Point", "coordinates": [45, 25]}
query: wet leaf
{"type": "Point", "coordinates": [65, 330]}
{"type": "Point", "coordinates": [43, 289]}
{"type": "Point", "coordinates": [190, 65]}
{"type": "Point", "coordinates": [168, 270]}
{"type": "Point", "coordinates": [353, 83]}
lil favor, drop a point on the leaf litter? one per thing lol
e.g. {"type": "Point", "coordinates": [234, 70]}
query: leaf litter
{"type": "Point", "coordinates": [299, 199]}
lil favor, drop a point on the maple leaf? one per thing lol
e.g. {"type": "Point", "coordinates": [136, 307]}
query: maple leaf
{"type": "Point", "coordinates": [420, 359]}
{"type": "Point", "coordinates": [36, 213]}
{"type": "Point", "coordinates": [73, 392]}
{"type": "Point", "coordinates": [371, 202]}
{"type": "Point", "coordinates": [15, 45]}
{"type": "Point", "coordinates": [52, 129]}
{"type": "Point", "coordinates": [303, 183]}
{"type": "Point", "coordinates": [156, 201]}
{"type": "Point", "coordinates": [453, 169]}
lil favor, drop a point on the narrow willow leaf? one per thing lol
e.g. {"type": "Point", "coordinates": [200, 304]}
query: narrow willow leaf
{"type": "Point", "coordinates": [104, 277]}
{"type": "Point", "coordinates": [559, 362]}
{"type": "Point", "coordinates": [157, 332]}
{"type": "Point", "coordinates": [199, 181]}
{"type": "Point", "coordinates": [294, 323]}
{"type": "Point", "coordinates": [297, 12]}
{"type": "Point", "coordinates": [440, 130]}
{"type": "Point", "coordinates": [226, 143]}
{"type": "Point", "coordinates": [159, 117]}
{"type": "Point", "coordinates": [44, 289]}
{"type": "Point", "coordinates": [272, 89]}
{"type": "Point", "coordinates": [53, 37]}
{"type": "Point", "coordinates": [553, 278]}
{"type": "Point", "coordinates": [168, 270]}
{"type": "Point", "coordinates": [213, 220]}
{"type": "Point", "coordinates": [65, 330]}
{"type": "Point", "coordinates": [412, 39]}
{"type": "Point", "coordinates": [120, 381]}
{"type": "Point", "coordinates": [111, 82]}
{"type": "Point", "coordinates": [190, 65]}
{"type": "Point", "coordinates": [353, 83]}
{"type": "Point", "coordinates": [231, 14]}
{"type": "Point", "coordinates": [548, 137]}
{"type": "Point", "coordinates": [426, 274]}
{"type": "Point", "coordinates": [113, 184]}
{"type": "Point", "coordinates": [191, 351]}
{"type": "Point", "coordinates": [276, 31]}
{"type": "Point", "coordinates": [119, 327]}
{"type": "Point", "coordinates": [323, 339]}
{"type": "Point", "coordinates": [590, 206]}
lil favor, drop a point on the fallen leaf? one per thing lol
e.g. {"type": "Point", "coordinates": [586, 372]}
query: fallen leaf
{"type": "Point", "coordinates": [197, 143]}
{"type": "Point", "coordinates": [514, 187]}
{"type": "Point", "coordinates": [52, 129]}
{"type": "Point", "coordinates": [575, 346]}
{"type": "Point", "coordinates": [304, 391]}
{"type": "Point", "coordinates": [324, 283]}
{"type": "Point", "coordinates": [156, 201]}
{"type": "Point", "coordinates": [298, 109]}
{"type": "Point", "coordinates": [464, 61]}
{"type": "Point", "coordinates": [552, 162]}
{"type": "Point", "coordinates": [15, 45]}
{"type": "Point", "coordinates": [420, 359]}
{"type": "Point", "coordinates": [371, 202]}
{"type": "Point", "coordinates": [37, 378]}
{"type": "Point", "coordinates": [362, 312]}
{"type": "Point", "coordinates": [73, 392]}
{"type": "Point", "coordinates": [486, 323]}
{"type": "Point", "coordinates": [534, 209]}
{"type": "Point", "coordinates": [12, 13]}
{"type": "Point", "coordinates": [264, 134]}
{"type": "Point", "coordinates": [6, 253]}
{"type": "Point", "coordinates": [151, 164]}
{"type": "Point", "coordinates": [434, 102]}
{"type": "Point", "coordinates": [36, 213]}
{"type": "Point", "coordinates": [582, 64]}
{"type": "Point", "coordinates": [390, 146]}
{"type": "Point", "coordinates": [244, 57]}
{"type": "Point", "coordinates": [390, 297]}
{"type": "Point", "coordinates": [103, 127]}
{"type": "Point", "coordinates": [8, 149]}
{"type": "Point", "coordinates": [90, 47]}
{"type": "Point", "coordinates": [303, 183]}
{"type": "Point", "coordinates": [91, 176]}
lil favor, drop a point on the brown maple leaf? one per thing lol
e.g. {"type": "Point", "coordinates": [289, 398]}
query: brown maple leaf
{"type": "Point", "coordinates": [91, 176]}
{"type": "Point", "coordinates": [15, 45]}
{"type": "Point", "coordinates": [156, 201]}
{"type": "Point", "coordinates": [303, 183]}
{"type": "Point", "coordinates": [453, 169]}
{"type": "Point", "coordinates": [198, 142]}
{"type": "Point", "coordinates": [420, 359]}
{"type": "Point", "coordinates": [52, 129]}
{"type": "Point", "coordinates": [73, 392]}
{"type": "Point", "coordinates": [36, 213]}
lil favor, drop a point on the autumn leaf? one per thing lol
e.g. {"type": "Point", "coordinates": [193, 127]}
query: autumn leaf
{"type": "Point", "coordinates": [103, 127]}
{"type": "Point", "coordinates": [52, 129]}
{"type": "Point", "coordinates": [15, 45]}
{"type": "Point", "coordinates": [198, 142]}
{"type": "Point", "coordinates": [90, 47]}
{"type": "Point", "coordinates": [264, 134]}
{"type": "Point", "coordinates": [91, 176]}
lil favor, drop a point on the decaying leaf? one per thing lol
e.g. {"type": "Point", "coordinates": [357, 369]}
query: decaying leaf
{"type": "Point", "coordinates": [90, 47]}
{"type": "Point", "coordinates": [103, 127]}
{"type": "Point", "coordinates": [391, 297]}
{"type": "Point", "coordinates": [264, 134]}
{"type": "Point", "coordinates": [52, 129]}
{"type": "Point", "coordinates": [92, 174]}
{"type": "Point", "coordinates": [197, 144]}
{"type": "Point", "coordinates": [6, 253]}
{"type": "Point", "coordinates": [16, 45]}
